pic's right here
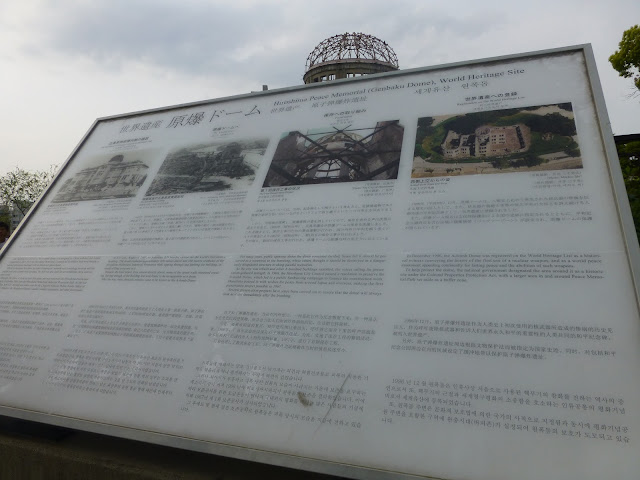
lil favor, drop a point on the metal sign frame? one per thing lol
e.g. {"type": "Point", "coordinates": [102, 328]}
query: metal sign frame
{"type": "Point", "coordinates": [306, 462]}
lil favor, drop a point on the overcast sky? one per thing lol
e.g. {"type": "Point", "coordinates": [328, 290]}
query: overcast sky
{"type": "Point", "coordinates": [64, 63]}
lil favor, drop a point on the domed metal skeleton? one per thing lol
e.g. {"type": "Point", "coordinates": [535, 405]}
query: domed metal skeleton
{"type": "Point", "coordinates": [349, 55]}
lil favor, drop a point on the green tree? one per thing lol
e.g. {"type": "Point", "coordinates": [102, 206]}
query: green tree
{"type": "Point", "coordinates": [21, 188]}
{"type": "Point", "coordinates": [626, 60]}
{"type": "Point", "coordinates": [629, 154]}
{"type": "Point", "coordinates": [551, 122]}
{"type": "Point", "coordinates": [5, 215]}
{"type": "Point", "coordinates": [500, 163]}
{"type": "Point", "coordinates": [424, 127]}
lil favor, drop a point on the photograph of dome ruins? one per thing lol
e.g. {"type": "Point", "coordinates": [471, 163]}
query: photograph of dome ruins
{"type": "Point", "coordinates": [208, 167]}
{"type": "Point", "coordinates": [500, 141]}
{"type": "Point", "coordinates": [331, 155]}
{"type": "Point", "coordinates": [111, 176]}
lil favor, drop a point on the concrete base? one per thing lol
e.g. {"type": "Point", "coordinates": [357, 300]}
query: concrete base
{"type": "Point", "coordinates": [34, 452]}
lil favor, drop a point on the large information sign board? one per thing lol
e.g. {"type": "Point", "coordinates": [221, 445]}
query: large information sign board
{"type": "Point", "coordinates": [419, 273]}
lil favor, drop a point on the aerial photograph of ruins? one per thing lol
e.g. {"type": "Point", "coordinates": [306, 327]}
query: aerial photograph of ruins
{"type": "Point", "coordinates": [500, 141]}
{"type": "Point", "coordinates": [330, 155]}
{"type": "Point", "coordinates": [207, 167]}
{"type": "Point", "coordinates": [108, 176]}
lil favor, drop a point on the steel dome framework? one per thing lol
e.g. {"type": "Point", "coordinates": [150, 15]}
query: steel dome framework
{"type": "Point", "coordinates": [349, 55]}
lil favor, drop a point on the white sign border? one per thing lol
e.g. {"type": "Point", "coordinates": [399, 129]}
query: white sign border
{"type": "Point", "coordinates": [305, 463]}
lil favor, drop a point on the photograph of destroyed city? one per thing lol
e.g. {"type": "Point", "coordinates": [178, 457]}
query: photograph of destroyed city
{"type": "Point", "coordinates": [207, 167]}
{"type": "Point", "coordinates": [500, 141]}
{"type": "Point", "coordinates": [331, 155]}
{"type": "Point", "coordinates": [108, 176]}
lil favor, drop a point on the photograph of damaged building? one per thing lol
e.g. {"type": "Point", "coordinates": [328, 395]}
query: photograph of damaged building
{"type": "Point", "coordinates": [209, 167]}
{"type": "Point", "coordinates": [111, 176]}
{"type": "Point", "coordinates": [334, 155]}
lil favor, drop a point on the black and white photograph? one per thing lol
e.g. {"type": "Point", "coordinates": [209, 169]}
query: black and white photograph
{"type": "Point", "coordinates": [110, 176]}
{"type": "Point", "coordinates": [208, 167]}
{"type": "Point", "coordinates": [331, 155]}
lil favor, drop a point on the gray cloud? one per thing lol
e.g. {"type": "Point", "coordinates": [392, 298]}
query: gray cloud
{"type": "Point", "coordinates": [191, 38]}
{"type": "Point", "coordinates": [210, 39]}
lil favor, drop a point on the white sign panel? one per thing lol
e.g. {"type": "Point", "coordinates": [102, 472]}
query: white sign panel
{"type": "Point", "coordinates": [422, 273]}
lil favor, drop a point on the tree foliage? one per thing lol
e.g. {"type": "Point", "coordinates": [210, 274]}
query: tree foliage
{"type": "Point", "coordinates": [21, 188]}
{"type": "Point", "coordinates": [551, 122]}
{"type": "Point", "coordinates": [425, 127]}
{"type": "Point", "coordinates": [629, 154]}
{"type": "Point", "coordinates": [626, 60]}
